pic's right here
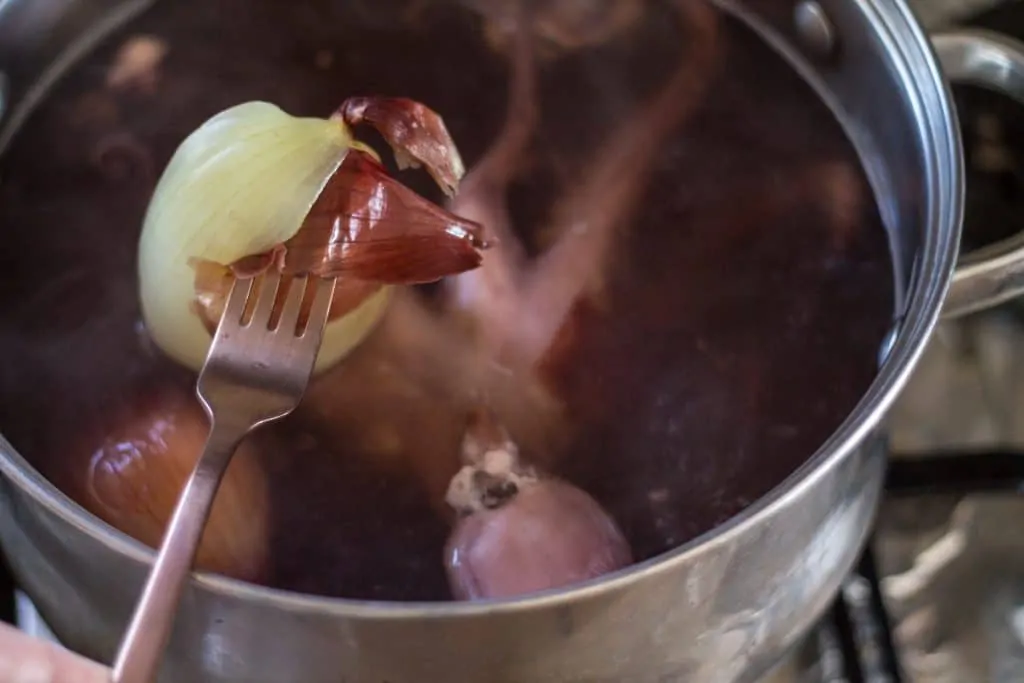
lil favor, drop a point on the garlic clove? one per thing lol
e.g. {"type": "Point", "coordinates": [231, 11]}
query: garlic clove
{"type": "Point", "coordinates": [549, 535]}
{"type": "Point", "coordinates": [137, 473]}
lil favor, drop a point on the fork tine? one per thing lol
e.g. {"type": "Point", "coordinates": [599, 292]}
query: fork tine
{"type": "Point", "coordinates": [293, 304]}
{"type": "Point", "coordinates": [235, 306]}
{"type": "Point", "coordinates": [266, 298]}
{"type": "Point", "coordinates": [323, 293]}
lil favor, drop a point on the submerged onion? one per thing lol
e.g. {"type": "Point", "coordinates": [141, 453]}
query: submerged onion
{"type": "Point", "coordinates": [255, 188]}
{"type": "Point", "coordinates": [138, 469]}
{"type": "Point", "coordinates": [520, 531]}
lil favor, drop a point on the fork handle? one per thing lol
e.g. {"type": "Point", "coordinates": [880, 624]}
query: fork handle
{"type": "Point", "coordinates": [144, 642]}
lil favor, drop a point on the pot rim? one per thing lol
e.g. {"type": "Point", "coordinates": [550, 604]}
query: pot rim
{"type": "Point", "coordinates": [939, 138]}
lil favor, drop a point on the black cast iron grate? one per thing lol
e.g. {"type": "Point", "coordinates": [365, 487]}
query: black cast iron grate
{"type": "Point", "coordinates": [855, 640]}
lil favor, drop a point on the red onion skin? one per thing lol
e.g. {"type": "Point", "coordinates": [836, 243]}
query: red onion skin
{"type": "Point", "coordinates": [550, 535]}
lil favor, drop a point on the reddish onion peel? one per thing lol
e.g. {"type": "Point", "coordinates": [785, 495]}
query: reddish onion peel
{"type": "Point", "coordinates": [366, 228]}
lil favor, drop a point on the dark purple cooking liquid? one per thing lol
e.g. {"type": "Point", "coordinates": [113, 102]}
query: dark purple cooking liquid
{"type": "Point", "coordinates": [741, 325]}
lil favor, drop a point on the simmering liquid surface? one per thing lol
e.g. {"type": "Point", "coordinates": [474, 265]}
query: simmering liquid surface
{"type": "Point", "coordinates": [738, 326]}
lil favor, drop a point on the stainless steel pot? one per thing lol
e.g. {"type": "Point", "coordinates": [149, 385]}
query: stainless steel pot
{"type": "Point", "coordinates": [725, 607]}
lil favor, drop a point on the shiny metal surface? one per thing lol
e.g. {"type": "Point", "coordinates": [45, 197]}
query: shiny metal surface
{"type": "Point", "coordinates": [254, 374]}
{"type": "Point", "coordinates": [995, 274]}
{"type": "Point", "coordinates": [815, 29]}
{"type": "Point", "coordinates": [724, 608]}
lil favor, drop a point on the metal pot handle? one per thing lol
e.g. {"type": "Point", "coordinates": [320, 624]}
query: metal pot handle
{"type": "Point", "coordinates": [994, 274]}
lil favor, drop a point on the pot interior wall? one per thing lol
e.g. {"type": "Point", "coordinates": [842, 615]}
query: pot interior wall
{"type": "Point", "coordinates": [739, 324]}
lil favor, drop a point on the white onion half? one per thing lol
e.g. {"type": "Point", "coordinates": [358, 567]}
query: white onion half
{"type": "Point", "coordinates": [239, 185]}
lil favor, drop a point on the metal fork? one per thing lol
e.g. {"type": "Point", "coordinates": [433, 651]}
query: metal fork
{"type": "Point", "coordinates": [255, 373]}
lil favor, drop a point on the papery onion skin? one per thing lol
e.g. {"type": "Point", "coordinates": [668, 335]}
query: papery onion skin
{"type": "Point", "coordinates": [368, 226]}
{"type": "Point", "coordinates": [402, 121]}
{"type": "Point", "coordinates": [339, 217]}
{"type": "Point", "coordinates": [367, 230]}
